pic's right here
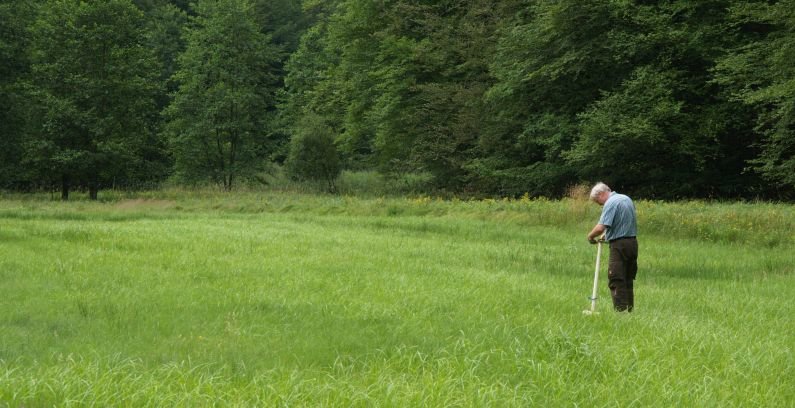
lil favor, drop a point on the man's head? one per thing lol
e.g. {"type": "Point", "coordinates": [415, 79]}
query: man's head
{"type": "Point", "coordinates": [600, 193]}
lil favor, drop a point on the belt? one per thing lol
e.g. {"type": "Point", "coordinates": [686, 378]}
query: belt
{"type": "Point", "coordinates": [619, 239]}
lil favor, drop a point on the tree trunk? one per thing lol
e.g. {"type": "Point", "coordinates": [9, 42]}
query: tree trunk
{"type": "Point", "coordinates": [228, 182]}
{"type": "Point", "coordinates": [64, 187]}
{"type": "Point", "coordinates": [93, 188]}
{"type": "Point", "coordinates": [332, 186]}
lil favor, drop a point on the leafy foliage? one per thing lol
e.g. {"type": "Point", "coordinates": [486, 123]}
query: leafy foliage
{"type": "Point", "coordinates": [93, 82]}
{"type": "Point", "coordinates": [14, 64]}
{"type": "Point", "coordinates": [760, 73]}
{"type": "Point", "coordinates": [216, 120]}
{"type": "Point", "coordinates": [313, 155]}
{"type": "Point", "coordinates": [639, 135]}
{"type": "Point", "coordinates": [662, 99]}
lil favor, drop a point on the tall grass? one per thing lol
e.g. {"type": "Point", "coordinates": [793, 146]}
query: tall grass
{"type": "Point", "coordinates": [198, 298]}
{"type": "Point", "coordinates": [760, 223]}
{"type": "Point", "coordinates": [360, 183]}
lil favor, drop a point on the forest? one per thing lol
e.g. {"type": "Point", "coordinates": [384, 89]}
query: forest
{"type": "Point", "coordinates": [672, 99]}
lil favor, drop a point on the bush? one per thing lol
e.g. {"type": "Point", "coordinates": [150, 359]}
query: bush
{"type": "Point", "coordinates": [312, 155]}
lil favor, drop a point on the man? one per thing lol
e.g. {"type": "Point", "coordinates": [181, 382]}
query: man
{"type": "Point", "coordinates": [618, 223]}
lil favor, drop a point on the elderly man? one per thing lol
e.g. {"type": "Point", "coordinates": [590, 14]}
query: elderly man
{"type": "Point", "coordinates": [618, 223]}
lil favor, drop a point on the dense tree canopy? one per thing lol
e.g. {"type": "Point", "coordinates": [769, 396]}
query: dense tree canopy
{"type": "Point", "coordinates": [666, 99]}
{"type": "Point", "coordinates": [216, 125]}
{"type": "Point", "coordinates": [760, 73]}
{"type": "Point", "coordinates": [93, 84]}
{"type": "Point", "coordinates": [14, 17]}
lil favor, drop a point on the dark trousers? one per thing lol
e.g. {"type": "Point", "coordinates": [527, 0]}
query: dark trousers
{"type": "Point", "coordinates": [621, 271]}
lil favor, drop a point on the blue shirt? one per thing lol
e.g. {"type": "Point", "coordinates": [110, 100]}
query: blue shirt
{"type": "Point", "coordinates": [618, 215]}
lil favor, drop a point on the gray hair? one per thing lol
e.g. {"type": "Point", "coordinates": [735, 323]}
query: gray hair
{"type": "Point", "coordinates": [598, 189]}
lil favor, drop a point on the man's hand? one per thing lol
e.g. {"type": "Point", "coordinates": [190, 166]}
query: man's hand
{"type": "Point", "coordinates": [597, 231]}
{"type": "Point", "coordinates": [594, 240]}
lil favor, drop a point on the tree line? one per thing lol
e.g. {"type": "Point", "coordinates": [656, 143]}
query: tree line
{"type": "Point", "coordinates": [664, 99]}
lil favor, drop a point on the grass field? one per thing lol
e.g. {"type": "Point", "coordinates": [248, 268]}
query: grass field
{"type": "Point", "coordinates": [200, 299]}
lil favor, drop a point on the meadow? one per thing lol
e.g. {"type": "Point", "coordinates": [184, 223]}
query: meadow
{"type": "Point", "coordinates": [190, 299]}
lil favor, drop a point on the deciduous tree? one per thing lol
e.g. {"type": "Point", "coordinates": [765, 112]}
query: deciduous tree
{"type": "Point", "coordinates": [760, 73]}
{"type": "Point", "coordinates": [14, 65]}
{"type": "Point", "coordinates": [216, 122]}
{"type": "Point", "coordinates": [94, 80]}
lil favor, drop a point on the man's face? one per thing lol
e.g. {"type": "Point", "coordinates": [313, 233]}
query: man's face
{"type": "Point", "coordinates": [602, 198]}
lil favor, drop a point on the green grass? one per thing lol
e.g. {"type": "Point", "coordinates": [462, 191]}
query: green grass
{"type": "Point", "coordinates": [178, 298]}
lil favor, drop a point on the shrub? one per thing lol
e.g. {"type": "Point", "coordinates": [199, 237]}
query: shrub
{"type": "Point", "coordinates": [312, 155]}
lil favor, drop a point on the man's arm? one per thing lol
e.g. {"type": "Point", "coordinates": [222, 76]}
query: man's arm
{"type": "Point", "coordinates": [597, 230]}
